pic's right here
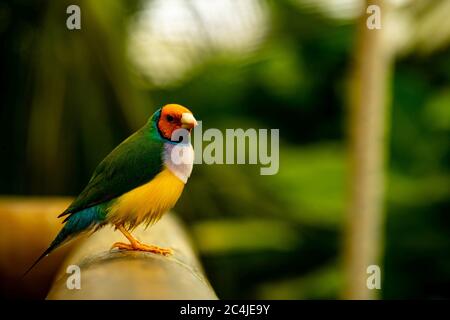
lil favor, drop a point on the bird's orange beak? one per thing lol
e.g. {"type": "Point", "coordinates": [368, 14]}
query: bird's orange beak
{"type": "Point", "coordinates": [188, 121]}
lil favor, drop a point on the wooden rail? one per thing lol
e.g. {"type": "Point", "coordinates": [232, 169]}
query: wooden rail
{"type": "Point", "coordinates": [104, 273]}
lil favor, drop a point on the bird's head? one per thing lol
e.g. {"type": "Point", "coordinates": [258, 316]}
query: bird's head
{"type": "Point", "coordinates": [173, 117]}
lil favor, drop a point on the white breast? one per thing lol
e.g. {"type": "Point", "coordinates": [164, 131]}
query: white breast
{"type": "Point", "coordinates": [179, 159]}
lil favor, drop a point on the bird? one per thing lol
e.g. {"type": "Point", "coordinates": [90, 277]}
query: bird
{"type": "Point", "coordinates": [134, 184]}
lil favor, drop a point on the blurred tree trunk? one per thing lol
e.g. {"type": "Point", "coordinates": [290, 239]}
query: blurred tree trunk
{"type": "Point", "coordinates": [368, 99]}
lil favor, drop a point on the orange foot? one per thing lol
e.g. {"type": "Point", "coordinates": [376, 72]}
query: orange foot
{"type": "Point", "coordinates": [137, 246]}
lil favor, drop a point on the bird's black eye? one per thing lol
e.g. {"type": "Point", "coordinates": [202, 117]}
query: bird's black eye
{"type": "Point", "coordinates": [169, 118]}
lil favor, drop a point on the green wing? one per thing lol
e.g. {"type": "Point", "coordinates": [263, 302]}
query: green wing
{"type": "Point", "coordinates": [131, 164]}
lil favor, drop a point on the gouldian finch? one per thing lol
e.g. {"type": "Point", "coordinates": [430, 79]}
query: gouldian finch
{"type": "Point", "coordinates": [136, 183]}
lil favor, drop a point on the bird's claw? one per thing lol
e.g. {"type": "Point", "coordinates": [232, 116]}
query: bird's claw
{"type": "Point", "coordinates": [137, 246]}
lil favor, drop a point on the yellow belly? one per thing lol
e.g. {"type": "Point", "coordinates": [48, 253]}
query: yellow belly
{"type": "Point", "coordinates": [147, 203]}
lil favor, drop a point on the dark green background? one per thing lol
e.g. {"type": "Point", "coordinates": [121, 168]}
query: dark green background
{"type": "Point", "coordinates": [68, 97]}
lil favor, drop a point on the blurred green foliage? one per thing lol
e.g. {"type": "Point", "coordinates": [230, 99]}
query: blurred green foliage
{"type": "Point", "coordinates": [69, 97]}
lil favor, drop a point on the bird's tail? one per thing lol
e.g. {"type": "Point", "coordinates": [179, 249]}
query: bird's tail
{"type": "Point", "coordinates": [75, 224]}
{"type": "Point", "coordinates": [60, 238]}
{"type": "Point", "coordinates": [42, 256]}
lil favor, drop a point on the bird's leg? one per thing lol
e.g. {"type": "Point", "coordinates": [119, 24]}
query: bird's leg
{"type": "Point", "coordinates": [136, 245]}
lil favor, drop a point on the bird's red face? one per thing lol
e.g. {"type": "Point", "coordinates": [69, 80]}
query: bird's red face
{"type": "Point", "coordinates": [174, 117]}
